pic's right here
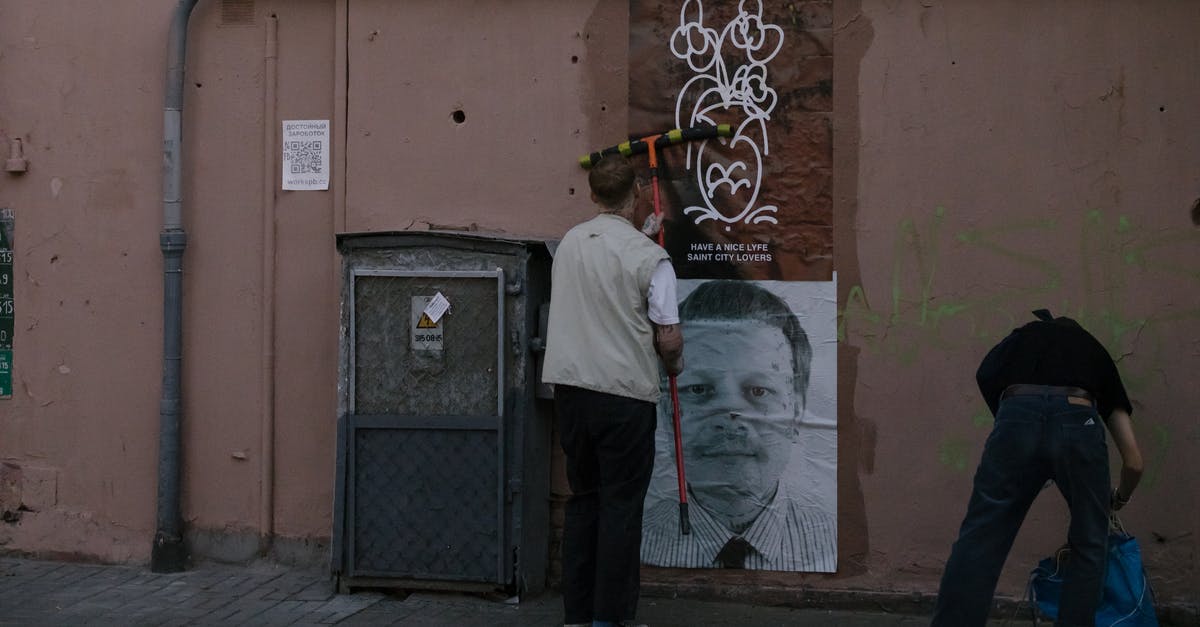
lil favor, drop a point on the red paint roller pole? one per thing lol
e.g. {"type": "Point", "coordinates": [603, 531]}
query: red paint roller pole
{"type": "Point", "coordinates": [649, 145]}
{"type": "Point", "coordinates": [685, 523]}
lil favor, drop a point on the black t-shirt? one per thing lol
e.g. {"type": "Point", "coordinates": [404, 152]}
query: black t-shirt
{"type": "Point", "coordinates": [1053, 352]}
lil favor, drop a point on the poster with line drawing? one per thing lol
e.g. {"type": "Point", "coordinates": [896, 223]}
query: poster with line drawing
{"type": "Point", "coordinates": [758, 204]}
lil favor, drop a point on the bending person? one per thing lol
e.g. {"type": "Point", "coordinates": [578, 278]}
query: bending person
{"type": "Point", "coordinates": [1053, 388]}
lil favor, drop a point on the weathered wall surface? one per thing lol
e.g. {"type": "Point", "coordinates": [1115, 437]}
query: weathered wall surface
{"type": "Point", "coordinates": [1011, 157]}
{"type": "Point", "coordinates": [479, 115]}
{"type": "Point", "coordinates": [229, 265]}
{"type": "Point", "coordinates": [84, 90]}
{"type": "Point", "coordinates": [78, 438]}
{"type": "Point", "coordinates": [989, 158]}
{"type": "Point", "coordinates": [537, 87]}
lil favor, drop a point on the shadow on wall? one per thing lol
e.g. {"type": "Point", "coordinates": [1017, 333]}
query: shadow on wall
{"type": "Point", "coordinates": [856, 435]}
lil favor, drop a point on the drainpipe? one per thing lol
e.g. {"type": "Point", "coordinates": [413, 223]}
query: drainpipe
{"type": "Point", "coordinates": [266, 514]}
{"type": "Point", "coordinates": [169, 554]}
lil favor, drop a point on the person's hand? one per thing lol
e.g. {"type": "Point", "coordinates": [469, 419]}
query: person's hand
{"type": "Point", "coordinates": [668, 343]}
{"type": "Point", "coordinates": [652, 225]}
{"type": "Point", "coordinates": [1116, 501]}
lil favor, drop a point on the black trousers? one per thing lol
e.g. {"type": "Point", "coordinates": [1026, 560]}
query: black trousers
{"type": "Point", "coordinates": [1035, 438]}
{"type": "Point", "coordinates": [609, 446]}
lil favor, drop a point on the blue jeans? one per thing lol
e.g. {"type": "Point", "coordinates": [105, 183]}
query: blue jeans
{"type": "Point", "coordinates": [1035, 438]}
{"type": "Point", "coordinates": [609, 445]}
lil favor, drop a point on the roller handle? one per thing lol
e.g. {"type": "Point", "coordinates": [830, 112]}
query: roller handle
{"type": "Point", "coordinates": [675, 136]}
{"type": "Point", "coordinates": [685, 525]}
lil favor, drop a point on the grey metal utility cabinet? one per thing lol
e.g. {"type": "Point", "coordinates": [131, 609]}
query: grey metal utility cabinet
{"type": "Point", "coordinates": [443, 455]}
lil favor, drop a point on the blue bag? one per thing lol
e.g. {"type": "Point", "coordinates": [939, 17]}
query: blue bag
{"type": "Point", "coordinates": [1128, 600]}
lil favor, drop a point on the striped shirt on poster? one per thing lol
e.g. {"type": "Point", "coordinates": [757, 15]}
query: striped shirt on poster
{"type": "Point", "coordinates": [786, 536]}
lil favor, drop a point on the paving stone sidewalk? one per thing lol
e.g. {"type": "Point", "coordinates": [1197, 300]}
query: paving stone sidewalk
{"type": "Point", "coordinates": [37, 593]}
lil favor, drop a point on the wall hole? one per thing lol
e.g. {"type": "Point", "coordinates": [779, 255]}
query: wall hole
{"type": "Point", "coordinates": [571, 191]}
{"type": "Point", "coordinates": [458, 116]}
{"type": "Point", "coordinates": [604, 107]}
{"type": "Point", "coordinates": [574, 59]}
{"type": "Point", "coordinates": [1161, 109]}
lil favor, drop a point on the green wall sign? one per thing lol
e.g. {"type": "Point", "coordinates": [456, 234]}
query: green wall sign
{"type": "Point", "coordinates": [6, 302]}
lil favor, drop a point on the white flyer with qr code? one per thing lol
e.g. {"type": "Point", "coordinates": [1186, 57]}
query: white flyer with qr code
{"type": "Point", "coordinates": [305, 154]}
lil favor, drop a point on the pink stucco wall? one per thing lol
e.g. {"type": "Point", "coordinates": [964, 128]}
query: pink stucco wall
{"type": "Point", "coordinates": [84, 93]}
{"type": "Point", "coordinates": [1010, 157]}
{"type": "Point", "coordinates": [990, 158]}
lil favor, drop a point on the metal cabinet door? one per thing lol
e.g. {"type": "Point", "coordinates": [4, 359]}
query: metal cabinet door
{"type": "Point", "coordinates": [425, 434]}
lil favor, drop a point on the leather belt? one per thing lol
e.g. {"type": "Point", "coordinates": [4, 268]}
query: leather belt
{"type": "Point", "coordinates": [1075, 396]}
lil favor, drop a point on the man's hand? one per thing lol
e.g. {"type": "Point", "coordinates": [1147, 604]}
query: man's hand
{"type": "Point", "coordinates": [1116, 501]}
{"type": "Point", "coordinates": [668, 342]}
{"type": "Point", "coordinates": [652, 225]}
{"type": "Point", "coordinates": [1121, 427]}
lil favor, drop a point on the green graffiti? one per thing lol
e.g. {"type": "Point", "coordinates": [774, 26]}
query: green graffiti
{"type": "Point", "coordinates": [955, 453]}
{"type": "Point", "coordinates": [1099, 284]}
{"type": "Point", "coordinates": [1160, 445]}
{"type": "Point", "coordinates": [1112, 249]}
{"type": "Point", "coordinates": [856, 308]}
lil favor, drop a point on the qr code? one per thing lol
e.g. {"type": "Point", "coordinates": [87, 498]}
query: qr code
{"type": "Point", "coordinates": [305, 156]}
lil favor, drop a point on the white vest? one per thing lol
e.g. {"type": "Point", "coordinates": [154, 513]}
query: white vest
{"type": "Point", "coordinates": [599, 336]}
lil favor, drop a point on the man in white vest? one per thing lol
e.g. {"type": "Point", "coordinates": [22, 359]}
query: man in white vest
{"type": "Point", "coordinates": [612, 309]}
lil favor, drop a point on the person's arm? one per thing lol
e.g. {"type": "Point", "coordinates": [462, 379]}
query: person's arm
{"type": "Point", "coordinates": [668, 342]}
{"type": "Point", "coordinates": [1121, 427]}
{"type": "Point", "coordinates": [663, 310]}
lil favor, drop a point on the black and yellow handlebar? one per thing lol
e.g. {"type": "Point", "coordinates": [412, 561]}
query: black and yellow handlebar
{"type": "Point", "coordinates": [675, 136]}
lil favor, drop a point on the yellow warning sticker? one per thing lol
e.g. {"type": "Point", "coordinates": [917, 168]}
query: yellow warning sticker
{"type": "Point", "coordinates": [426, 334]}
{"type": "Point", "coordinates": [425, 322]}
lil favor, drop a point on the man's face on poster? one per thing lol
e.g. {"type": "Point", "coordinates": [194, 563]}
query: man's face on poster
{"type": "Point", "coordinates": [739, 412]}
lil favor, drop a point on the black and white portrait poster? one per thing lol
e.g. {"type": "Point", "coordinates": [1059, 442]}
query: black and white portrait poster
{"type": "Point", "coordinates": [758, 411]}
{"type": "Point", "coordinates": [749, 227]}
